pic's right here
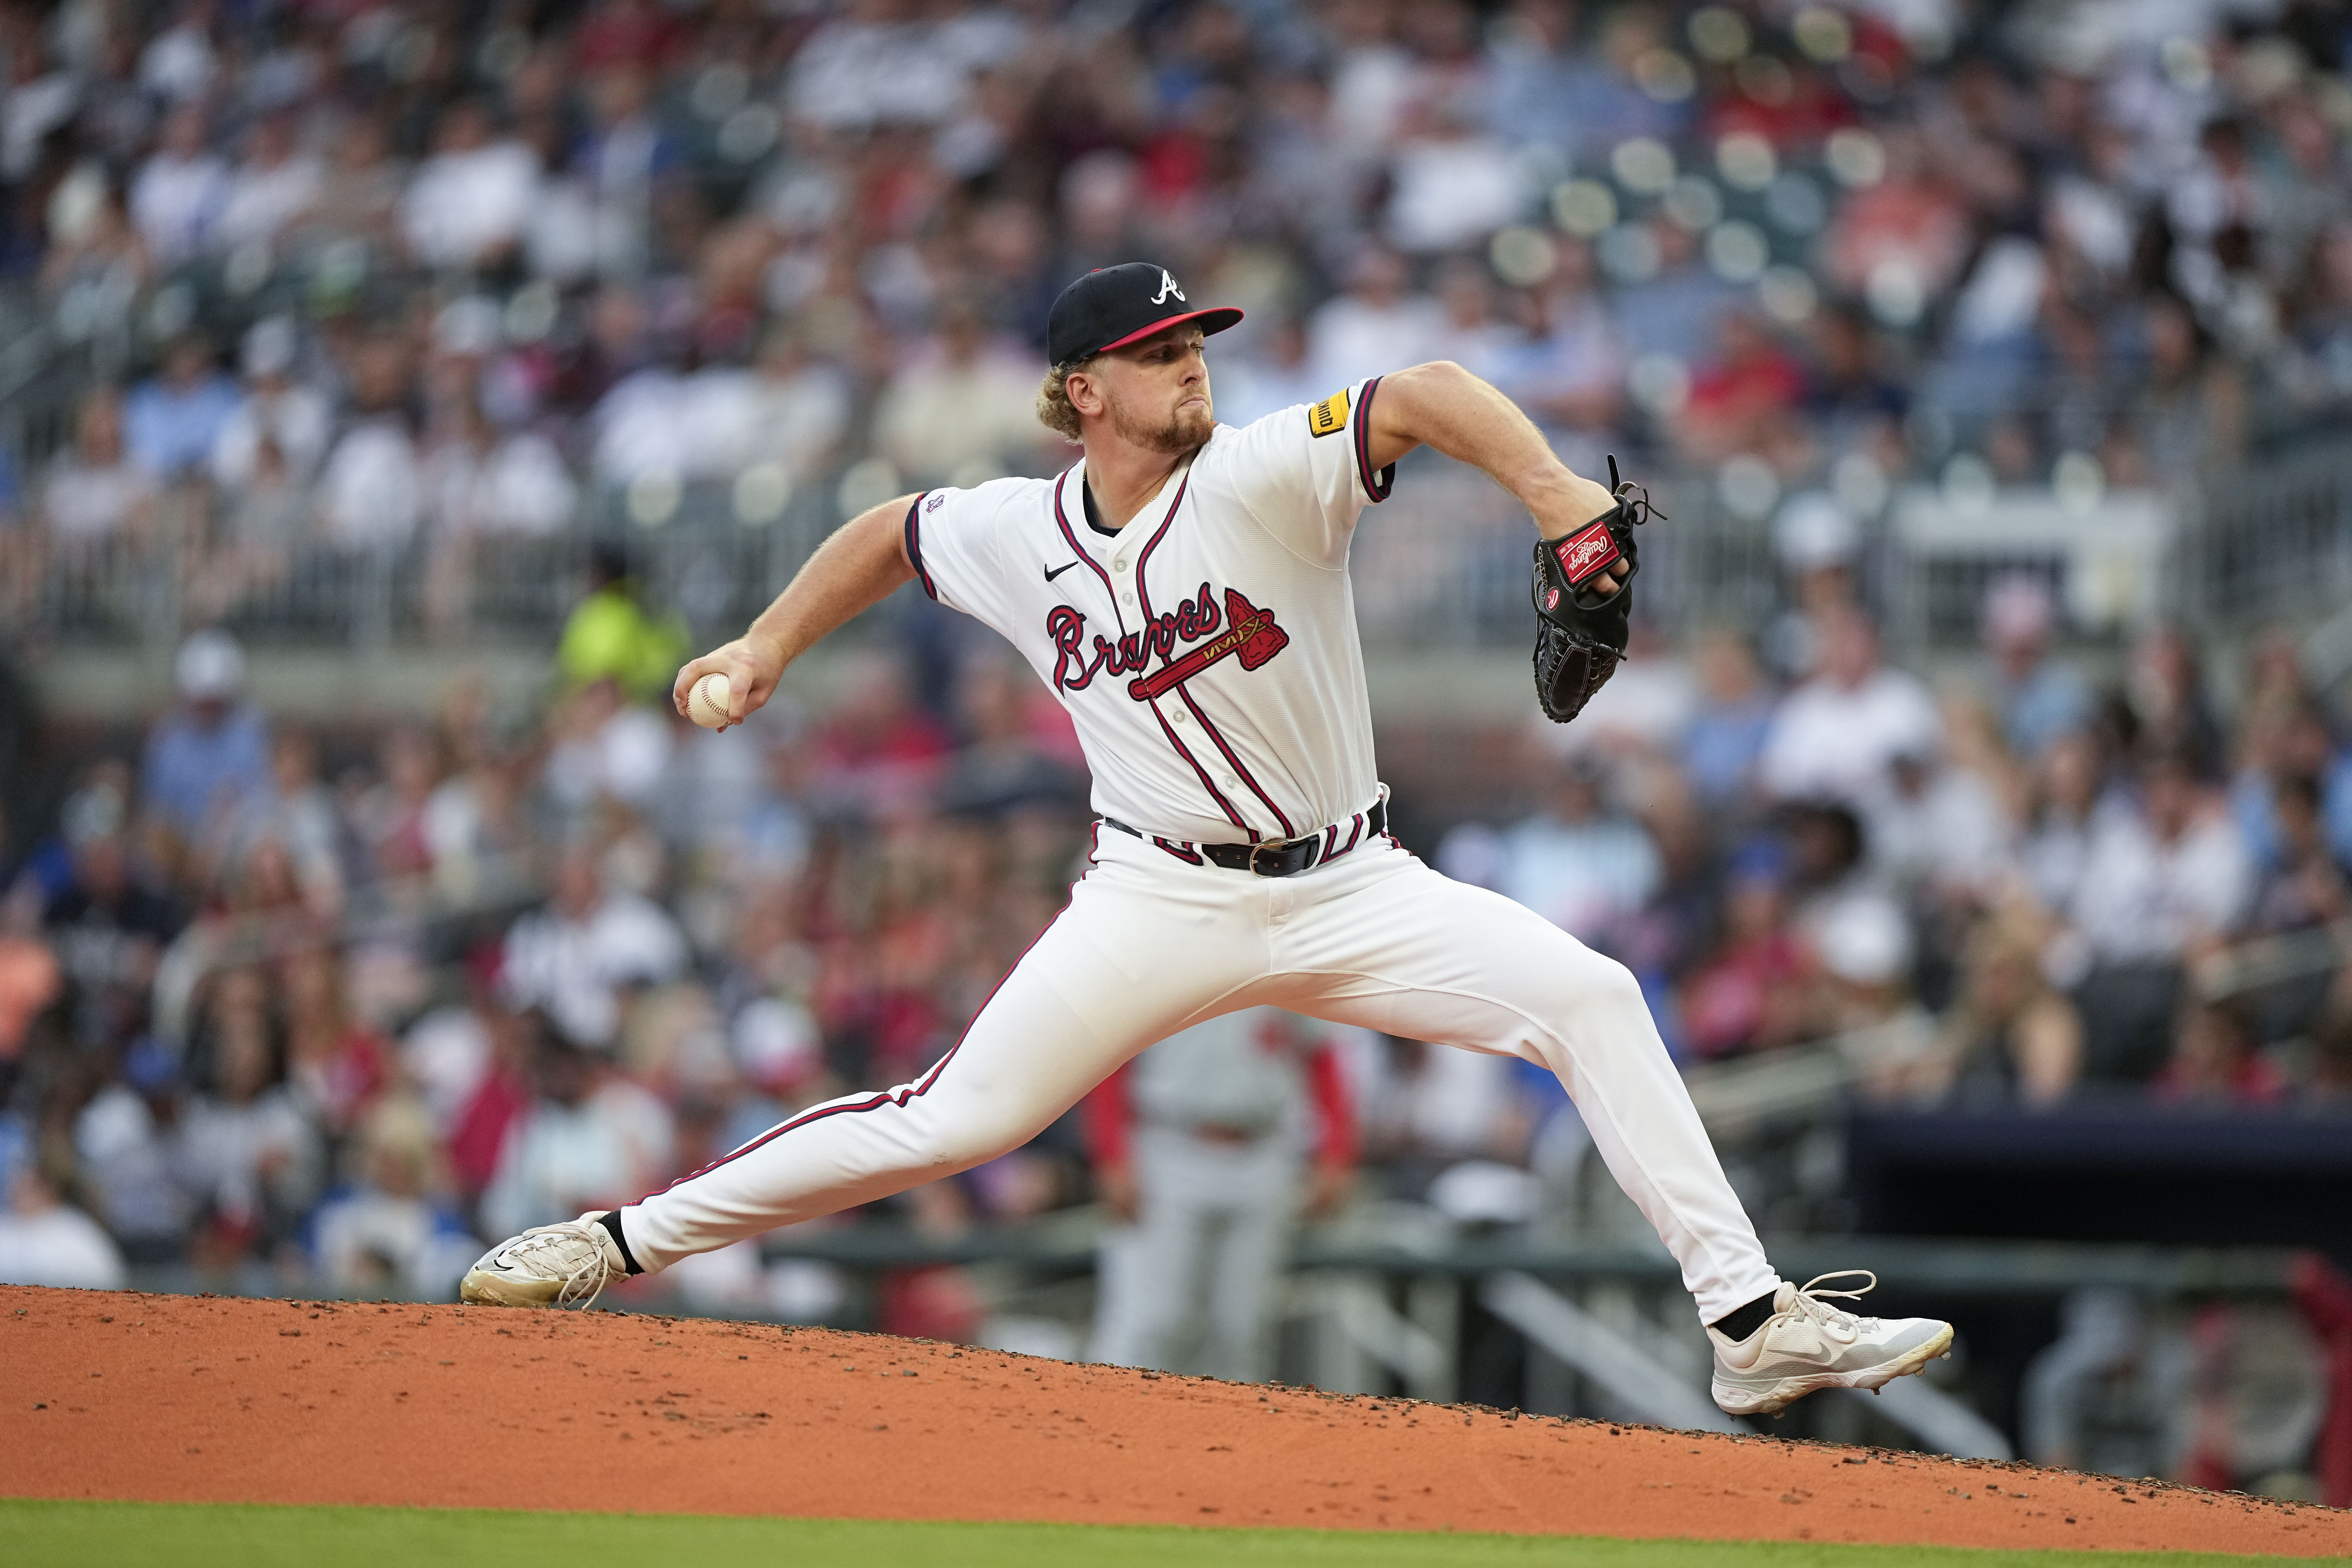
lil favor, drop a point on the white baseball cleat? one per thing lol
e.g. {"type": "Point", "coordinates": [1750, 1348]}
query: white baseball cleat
{"type": "Point", "coordinates": [547, 1266]}
{"type": "Point", "coordinates": [1808, 1344]}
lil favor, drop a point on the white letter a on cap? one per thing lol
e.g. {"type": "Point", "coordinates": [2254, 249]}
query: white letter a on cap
{"type": "Point", "coordinates": [1167, 286]}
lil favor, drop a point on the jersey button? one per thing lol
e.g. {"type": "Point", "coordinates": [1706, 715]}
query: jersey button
{"type": "Point", "coordinates": [1182, 717]}
{"type": "Point", "coordinates": [1128, 596]}
{"type": "Point", "coordinates": [1232, 783]}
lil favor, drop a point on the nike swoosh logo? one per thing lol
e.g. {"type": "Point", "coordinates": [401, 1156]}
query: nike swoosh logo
{"type": "Point", "coordinates": [1059, 571]}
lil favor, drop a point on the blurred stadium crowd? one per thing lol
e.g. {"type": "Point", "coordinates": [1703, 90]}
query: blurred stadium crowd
{"type": "Point", "coordinates": [317, 1007]}
{"type": "Point", "coordinates": [394, 276]}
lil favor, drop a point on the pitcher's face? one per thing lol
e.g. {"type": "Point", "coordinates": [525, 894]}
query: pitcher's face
{"type": "Point", "coordinates": [1156, 392]}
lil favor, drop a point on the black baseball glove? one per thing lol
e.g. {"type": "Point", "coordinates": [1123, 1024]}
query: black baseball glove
{"type": "Point", "coordinates": [1581, 634]}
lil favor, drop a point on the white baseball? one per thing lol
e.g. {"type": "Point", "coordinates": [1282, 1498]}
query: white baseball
{"type": "Point", "coordinates": [707, 703]}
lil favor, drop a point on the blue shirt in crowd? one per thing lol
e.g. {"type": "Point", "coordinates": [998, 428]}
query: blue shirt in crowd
{"type": "Point", "coordinates": [191, 766]}
{"type": "Point", "coordinates": [169, 429]}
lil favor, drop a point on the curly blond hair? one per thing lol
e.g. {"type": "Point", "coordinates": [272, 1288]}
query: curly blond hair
{"type": "Point", "coordinates": [1054, 409]}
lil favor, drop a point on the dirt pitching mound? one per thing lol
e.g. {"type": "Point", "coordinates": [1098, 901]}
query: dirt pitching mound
{"type": "Point", "coordinates": [211, 1399]}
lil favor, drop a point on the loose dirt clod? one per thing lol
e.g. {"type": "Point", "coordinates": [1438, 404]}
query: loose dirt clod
{"type": "Point", "coordinates": [207, 1402]}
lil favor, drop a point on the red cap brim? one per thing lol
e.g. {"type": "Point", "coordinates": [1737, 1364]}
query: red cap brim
{"type": "Point", "coordinates": [1217, 321]}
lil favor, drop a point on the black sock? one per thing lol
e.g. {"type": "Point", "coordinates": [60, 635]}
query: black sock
{"type": "Point", "coordinates": [611, 1220]}
{"type": "Point", "coordinates": [1735, 1325]}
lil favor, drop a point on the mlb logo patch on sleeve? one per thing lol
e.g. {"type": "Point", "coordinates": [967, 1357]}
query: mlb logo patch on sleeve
{"type": "Point", "coordinates": [1328, 415]}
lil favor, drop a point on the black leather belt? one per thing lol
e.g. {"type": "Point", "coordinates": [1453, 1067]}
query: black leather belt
{"type": "Point", "coordinates": [1274, 856]}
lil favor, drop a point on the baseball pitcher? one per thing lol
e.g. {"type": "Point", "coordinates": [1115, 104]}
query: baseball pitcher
{"type": "Point", "coordinates": [1183, 591]}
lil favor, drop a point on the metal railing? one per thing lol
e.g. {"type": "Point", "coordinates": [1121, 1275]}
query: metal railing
{"type": "Point", "coordinates": [1443, 563]}
{"type": "Point", "coordinates": [2271, 545]}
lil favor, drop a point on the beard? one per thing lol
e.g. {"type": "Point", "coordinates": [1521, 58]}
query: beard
{"type": "Point", "coordinates": [1175, 432]}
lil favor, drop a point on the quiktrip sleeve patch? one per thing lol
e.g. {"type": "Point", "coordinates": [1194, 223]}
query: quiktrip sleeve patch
{"type": "Point", "coordinates": [1329, 416]}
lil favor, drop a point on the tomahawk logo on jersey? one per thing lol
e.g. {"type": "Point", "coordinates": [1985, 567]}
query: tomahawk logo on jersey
{"type": "Point", "coordinates": [1207, 652]}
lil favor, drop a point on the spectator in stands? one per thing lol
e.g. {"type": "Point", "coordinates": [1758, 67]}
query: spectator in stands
{"type": "Point", "coordinates": [46, 1241]}
{"type": "Point", "coordinates": [177, 195]}
{"type": "Point", "coordinates": [1674, 308]}
{"type": "Point", "coordinates": [106, 924]}
{"type": "Point", "coordinates": [960, 412]}
{"type": "Point", "coordinates": [247, 1147]}
{"type": "Point", "coordinates": [1451, 181]}
{"type": "Point", "coordinates": [1473, 335]}
{"type": "Point", "coordinates": [95, 493]}
{"type": "Point", "coordinates": [2189, 414]}
{"type": "Point", "coordinates": [2166, 876]}
{"type": "Point", "coordinates": [1855, 405]}
{"type": "Point", "coordinates": [580, 956]}
{"type": "Point", "coordinates": [298, 814]}
{"type": "Point", "coordinates": [2217, 1060]}
{"type": "Point", "coordinates": [334, 1060]}
{"type": "Point", "coordinates": [206, 757]}
{"type": "Point", "coordinates": [2040, 698]}
{"type": "Point", "coordinates": [1900, 240]}
{"type": "Point", "coordinates": [792, 408]}
{"type": "Point", "coordinates": [171, 423]}
{"type": "Point", "coordinates": [1378, 325]}
{"type": "Point", "coordinates": [1580, 863]}
{"type": "Point", "coordinates": [469, 203]}
{"type": "Point", "coordinates": [2164, 689]}
{"type": "Point", "coordinates": [2067, 790]}
{"type": "Point", "coordinates": [1818, 545]}
{"type": "Point", "coordinates": [1945, 830]}
{"type": "Point", "coordinates": [879, 755]}
{"type": "Point", "coordinates": [1740, 395]}
{"type": "Point", "coordinates": [591, 1139]}
{"type": "Point", "coordinates": [1570, 373]}
{"type": "Point", "coordinates": [271, 187]}
{"type": "Point", "coordinates": [1003, 768]}
{"type": "Point", "coordinates": [126, 1142]}
{"type": "Point", "coordinates": [1837, 735]}
{"type": "Point", "coordinates": [1755, 992]}
{"type": "Point", "coordinates": [611, 636]}
{"type": "Point", "coordinates": [277, 410]}
{"type": "Point", "coordinates": [1278, 375]}
{"type": "Point", "coordinates": [359, 198]}
{"type": "Point", "coordinates": [371, 492]}
{"type": "Point", "coordinates": [1842, 907]}
{"type": "Point", "coordinates": [2010, 1034]}
{"type": "Point", "coordinates": [390, 1228]}
{"type": "Point", "coordinates": [2306, 886]}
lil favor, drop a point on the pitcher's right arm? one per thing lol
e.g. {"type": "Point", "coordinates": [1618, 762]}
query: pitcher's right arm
{"type": "Point", "coordinates": [862, 563]}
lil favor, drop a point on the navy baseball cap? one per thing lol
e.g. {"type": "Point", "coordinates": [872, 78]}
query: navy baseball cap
{"type": "Point", "coordinates": [1111, 306]}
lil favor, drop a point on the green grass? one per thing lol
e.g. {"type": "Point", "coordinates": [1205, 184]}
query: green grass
{"type": "Point", "coordinates": [41, 1535]}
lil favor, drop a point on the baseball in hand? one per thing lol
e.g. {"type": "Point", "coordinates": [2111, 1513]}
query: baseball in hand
{"type": "Point", "coordinates": [707, 703]}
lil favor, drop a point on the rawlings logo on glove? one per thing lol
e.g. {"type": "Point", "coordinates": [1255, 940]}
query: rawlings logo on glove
{"type": "Point", "coordinates": [1581, 631]}
{"type": "Point", "coordinates": [1585, 554]}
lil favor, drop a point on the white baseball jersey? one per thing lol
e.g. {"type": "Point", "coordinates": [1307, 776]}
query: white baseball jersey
{"type": "Point", "coordinates": [1207, 652]}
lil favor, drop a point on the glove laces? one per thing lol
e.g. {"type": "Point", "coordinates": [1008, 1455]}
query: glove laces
{"type": "Point", "coordinates": [583, 1281]}
{"type": "Point", "coordinates": [1635, 499]}
{"type": "Point", "coordinates": [1811, 1299]}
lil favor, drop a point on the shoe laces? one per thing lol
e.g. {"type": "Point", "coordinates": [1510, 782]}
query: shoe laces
{"type": "Point", "coordinates": [1810, 1300]}
{"type": "Point", "coordinates": [583, 1281]}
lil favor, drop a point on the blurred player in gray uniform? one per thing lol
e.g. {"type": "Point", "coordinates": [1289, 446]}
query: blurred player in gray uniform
{"type": "Point", "coordinates": [1212, 1145]}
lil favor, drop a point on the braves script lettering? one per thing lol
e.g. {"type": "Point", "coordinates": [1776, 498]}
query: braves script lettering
{"type": "Point", "coordinates": [1249, 631]}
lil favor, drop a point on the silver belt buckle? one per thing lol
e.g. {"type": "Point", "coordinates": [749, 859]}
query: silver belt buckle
{"type": "Point", "coordinates": [1280, 843]}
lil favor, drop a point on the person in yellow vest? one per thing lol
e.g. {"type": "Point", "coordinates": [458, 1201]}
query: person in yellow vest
{"type": "Point", "coordinates": [611, 636]}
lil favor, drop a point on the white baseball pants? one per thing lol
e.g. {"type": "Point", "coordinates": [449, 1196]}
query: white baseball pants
{"type": "Point", "coordinates": [1150, 944]}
